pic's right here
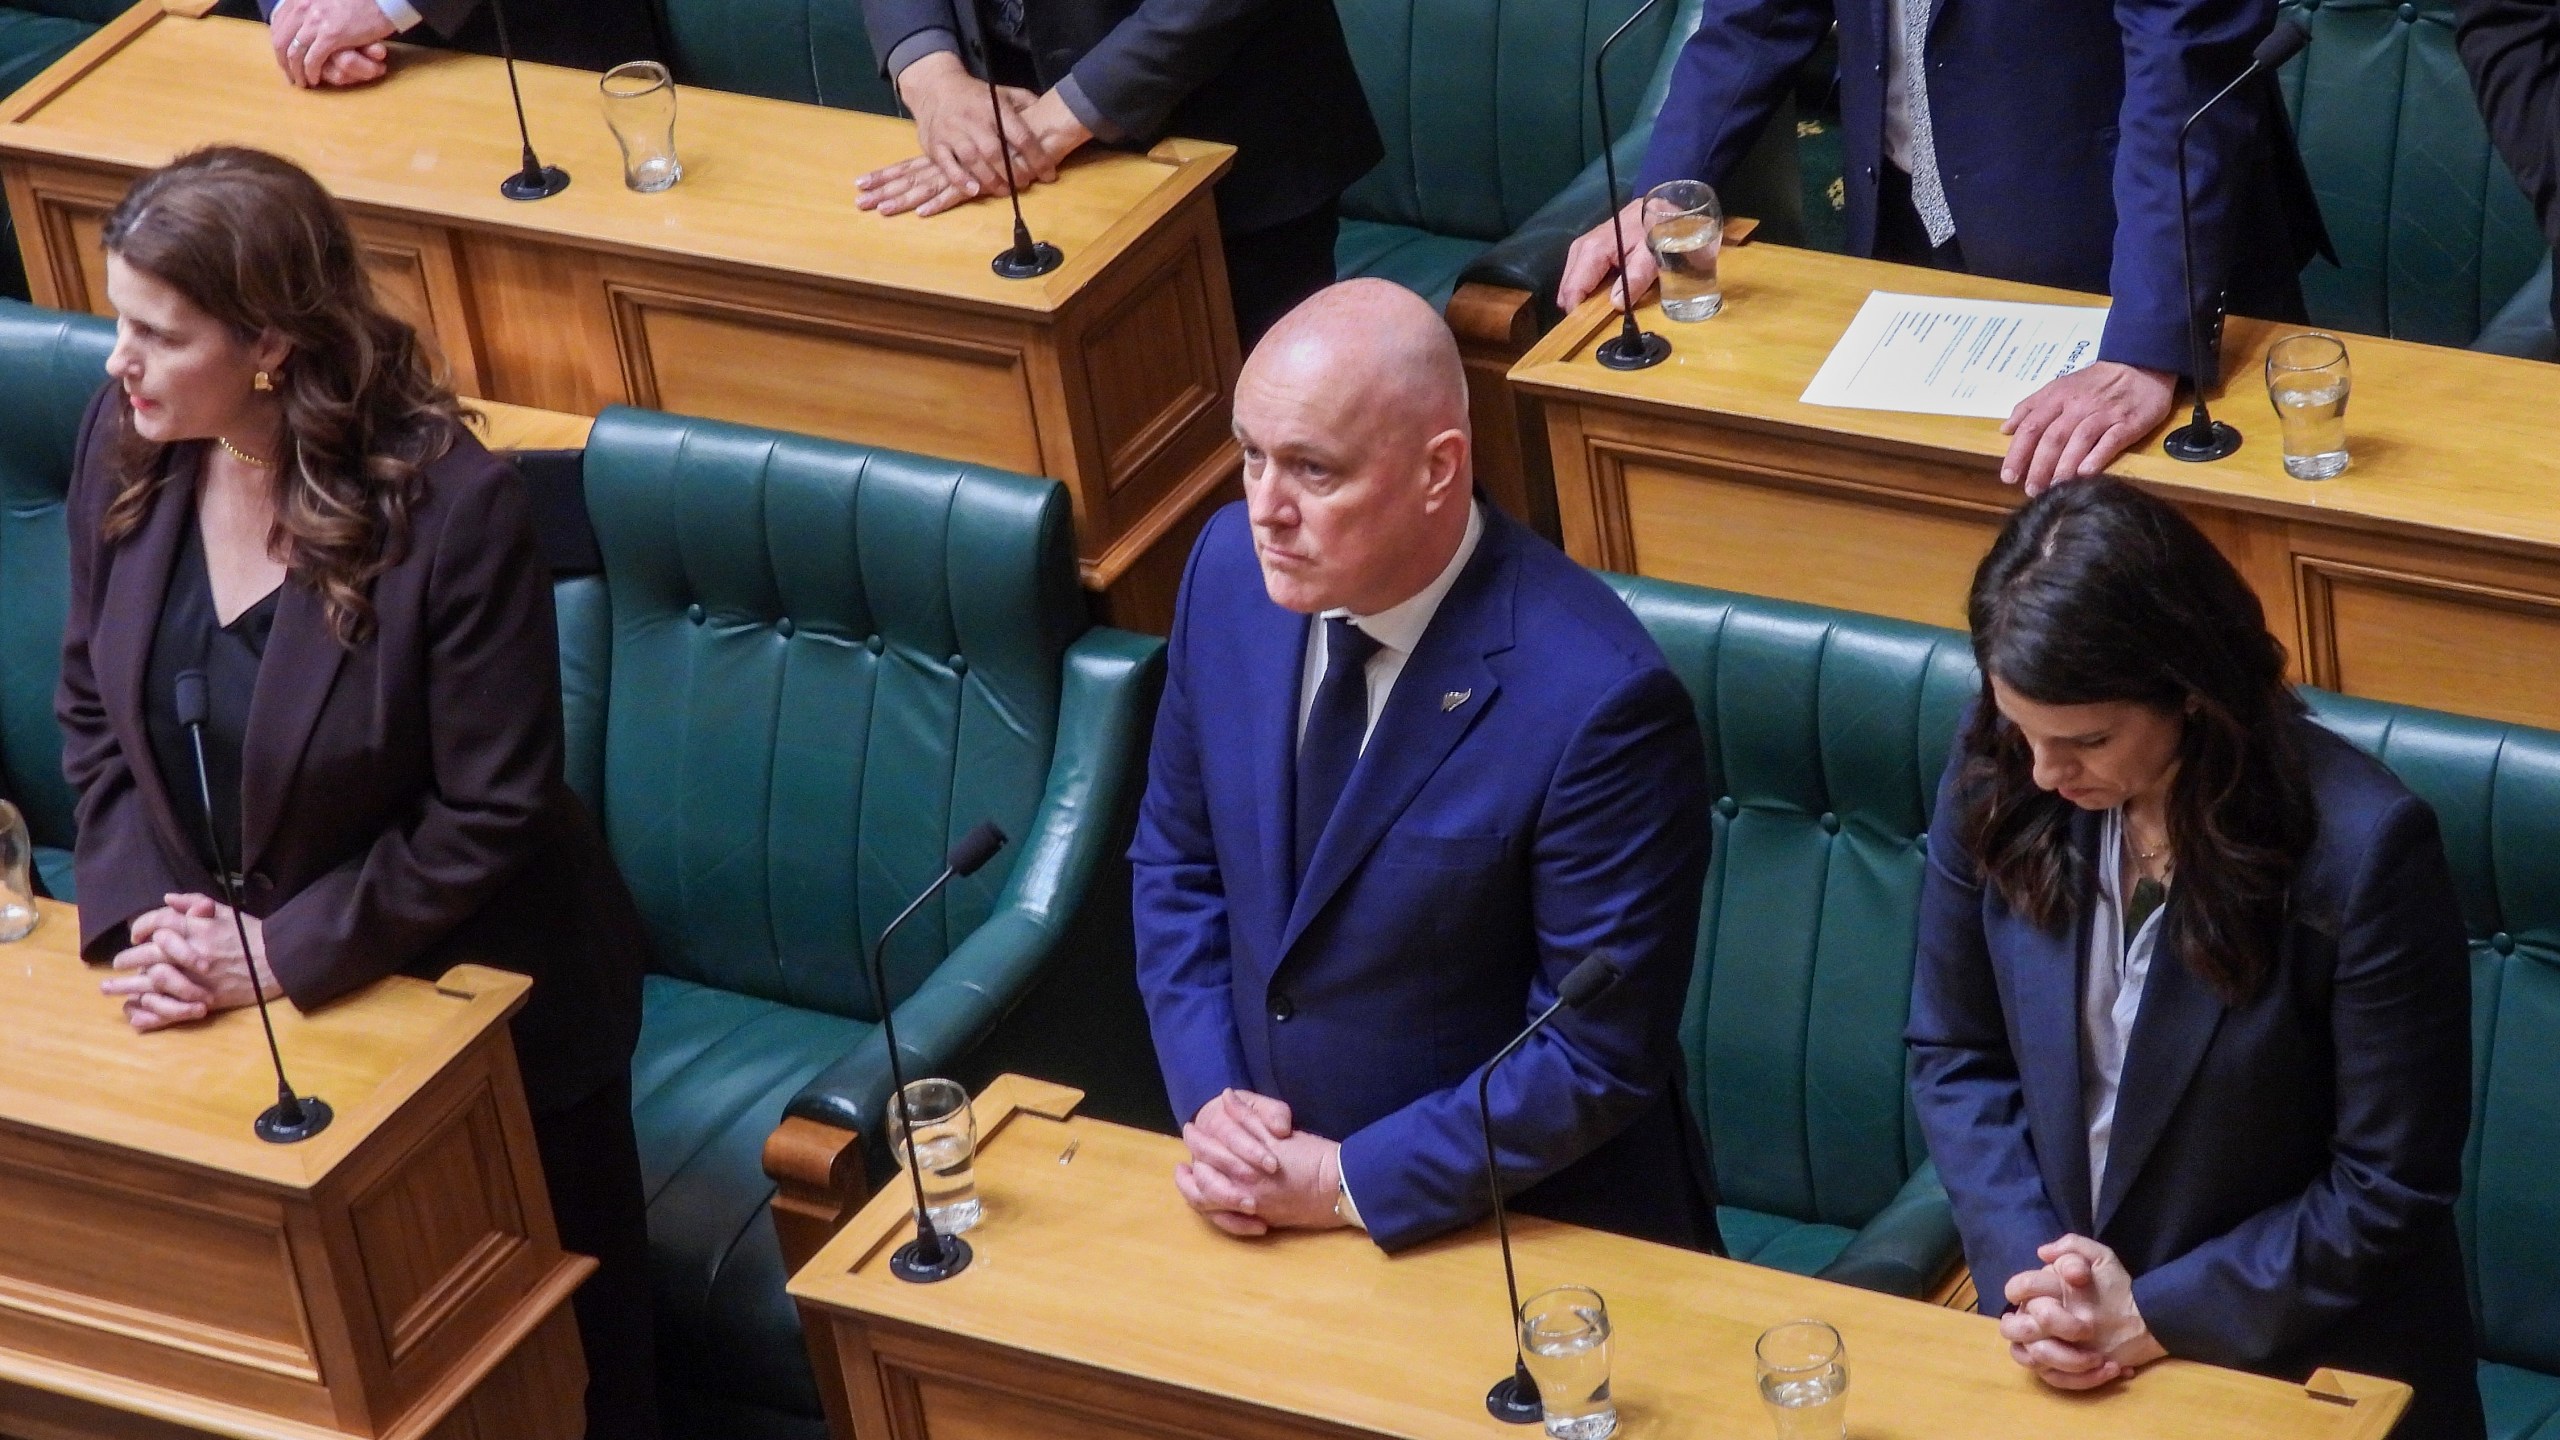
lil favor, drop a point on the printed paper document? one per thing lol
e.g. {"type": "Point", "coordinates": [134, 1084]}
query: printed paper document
{"type": "Point", "coordinates": [1933, 355]}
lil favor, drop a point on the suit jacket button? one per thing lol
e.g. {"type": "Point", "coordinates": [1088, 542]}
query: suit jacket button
{"type": "Point", "coordinates": [1282, 1008]}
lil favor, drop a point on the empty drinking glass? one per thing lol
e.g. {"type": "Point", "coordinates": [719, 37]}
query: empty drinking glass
{"type": "Point", "coordinates": [1804, 1375]}
{"type": "Point", "coordinates": [2307, 381]}
{"type": "Point", "coordinates": [946, 1147]}
{"type": "Point", "coordinates": [640, 106]}
{"type": "Point", "coordinates": [17, 877]}
{"type": "Point", "coordinates": [1564, 1335]}
{"type": "Point", "coordinates": [1684, 225]}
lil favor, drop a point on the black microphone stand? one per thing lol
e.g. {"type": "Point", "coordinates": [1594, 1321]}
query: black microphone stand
{"type": "Point", "coordinates": [1025, 258]}
{"type": "Point", "coordinates": [293, 1117]}
{"type": "Point", "coordinates": [932, 1255]}
{"type": "Point", "coordinates": [1631, 348]}
{"type": "Point", "coordinates": [536, 181]}
{"type": "Point", "coordinates": [2204, 438]}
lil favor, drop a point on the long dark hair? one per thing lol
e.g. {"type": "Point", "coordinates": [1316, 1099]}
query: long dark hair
{"type": "Point", "coordinates": [2097, 592]}
{"type": "Point", "coordinates": [254, 242]}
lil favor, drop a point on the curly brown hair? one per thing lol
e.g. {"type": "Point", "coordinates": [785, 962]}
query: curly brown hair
{"type": "Point", "coordinates": [254, 242]}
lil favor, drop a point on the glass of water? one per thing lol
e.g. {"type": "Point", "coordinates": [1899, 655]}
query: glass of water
{"type": "Point", "coordinates": [2307, 380]}
{"type": "Point", "coordinates": [640, 106]}
{"type": "Point", "coordinates": [1684, 225]}
{"type": "Point", "coordinates": [946, 1147]}
{"type": "Point", "coordinates": [1564, 1335]}
{"type": "Point", "coordinates": [17, 876]}
{"type": "Point", "coordinates": [1804, 1376]}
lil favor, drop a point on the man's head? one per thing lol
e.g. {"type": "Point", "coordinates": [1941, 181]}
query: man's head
{"type": "Point", "coordinates": [1357, 464]}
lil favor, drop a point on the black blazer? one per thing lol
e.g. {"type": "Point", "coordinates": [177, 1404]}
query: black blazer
{"type": "Point", "coordinates": [581, 34]}
{"type": "Point", "coordinates": [2282, 1175]}
{"type": "Point", "coordinates": [2512, 49]}
{"type": "Point", "coordinates": [1271, 77]}
{"type": "Point", "coordinates": [403, 806]}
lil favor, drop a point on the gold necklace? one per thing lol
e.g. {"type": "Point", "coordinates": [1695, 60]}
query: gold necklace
{"type": "Point", "coordinates": [243, 456]}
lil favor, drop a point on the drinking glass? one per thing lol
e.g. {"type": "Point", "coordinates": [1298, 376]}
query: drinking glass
{"type": "Point", "coordinates": [2307, 381]}
{"type": "Point", "coordinates": [1564, 1335]}
{"type": "Point", "coordinates": [1804, 1376]}
{"type": "Point", "coordinates": [1685, 226]}
{"type": "Point", "coordinates": [946, 1149]}
{"type": "Point", "coordinates": [17, 882]}
{"type": "Point", "coordinates": [640, 106]}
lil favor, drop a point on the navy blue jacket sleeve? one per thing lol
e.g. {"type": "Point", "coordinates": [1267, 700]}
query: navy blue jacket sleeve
{"type": "Point", "coordinates": [1964, 1073]}
{"type": "Point", "coordinates": [1726, 83]}
{"type": "Point", "coordinates": [1617, 864]}
{"type": "Point", "coordinates": [2400, 1029]}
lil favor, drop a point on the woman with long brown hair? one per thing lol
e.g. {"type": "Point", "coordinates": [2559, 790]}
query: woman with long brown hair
{"type": "Point", "coordinates": [274, 496]}
{"type": "Point", "coordinates": [2190, 1022]}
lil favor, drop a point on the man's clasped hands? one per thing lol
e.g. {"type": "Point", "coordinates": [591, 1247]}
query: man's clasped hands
{"type": "Point", "coordinates": [1251, 1172]}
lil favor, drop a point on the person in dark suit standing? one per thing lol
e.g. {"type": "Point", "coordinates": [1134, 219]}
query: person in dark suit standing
{"type": "Point", "coordinates": [2190, 1029]}
{"type": "Point", "coordinates": [1412, 766]}
{"type": "Point", "coordinates": [274, 491]}
{"type": "Point", "coordinates": [346, 42]}
{"type": "Point", "coordinates": [2512, 50]}
{"type": "Point", "coordinates": [2031, 141]}
{"type": "Point", "coordinates": [1271, 77]}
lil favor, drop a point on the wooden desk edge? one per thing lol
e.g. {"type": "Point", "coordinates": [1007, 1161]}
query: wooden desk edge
{"type": "Point", "coordinates": [876, 1223]}
{"type": "Point", "coordinates": [75, 66]}
{"type": "Point", "coordinates": [2378, 1403]}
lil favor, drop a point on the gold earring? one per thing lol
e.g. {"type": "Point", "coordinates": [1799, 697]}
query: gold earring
{"type": "Point", "coordinates": [260, 383]}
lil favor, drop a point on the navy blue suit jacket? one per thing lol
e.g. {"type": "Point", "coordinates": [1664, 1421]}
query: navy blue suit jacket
{"type": "Point", "coordinates": [1533, 791]}
{"type": "Point", "coordinates": [2282, 1174]}
{"type": "Point", "coordinates": [2057, 125]}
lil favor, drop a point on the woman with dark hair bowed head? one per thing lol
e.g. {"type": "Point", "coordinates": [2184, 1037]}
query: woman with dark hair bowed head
{"type": "Point", "coordinates": [275, 490]}
{"type": "Point", "coordinates": [2190, 1024]}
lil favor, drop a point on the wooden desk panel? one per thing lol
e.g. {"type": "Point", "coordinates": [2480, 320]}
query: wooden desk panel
{"type": "Point", "coordinates": [1098, 1305]}
{"type": "Point", "coordinates": [2428, 574]}
{"type": "Point", "coordinates": [754, 291]}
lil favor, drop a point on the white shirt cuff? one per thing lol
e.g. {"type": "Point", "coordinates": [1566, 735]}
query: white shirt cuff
{"type": "Point", "coordinates": [401, 14]}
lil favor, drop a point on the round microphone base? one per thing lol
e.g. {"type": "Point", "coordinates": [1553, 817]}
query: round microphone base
{"type": "Point", "coordinates": [2199, 441]}
{"type": "Point", "coordinates": [273, 1128]}
{"type": "Point", "coordinates": [1640, 351]}
{"type": "Point", "coordinates": [1513, 1400]}
{"type": "Point", "coordinates": [909, 1262]}
{"type": "Point", "coordinates": [531, 184]}
{"type": "Point", "coordinates": [1014, 264]}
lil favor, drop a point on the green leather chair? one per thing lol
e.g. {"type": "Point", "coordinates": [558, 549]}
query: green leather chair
{"type": "Point", "coordinates": [1825, 736]}
{"type": "Point", "coordinates": [813, 51]}
{"type": "Point", "coordinates": [818, 665]}
{"type": "Point", "coordinates": [2432, 235]}
{"type": "Point", "coordinates": [34, 34]}
{"type": "Point", "coordinates": [50, 364]}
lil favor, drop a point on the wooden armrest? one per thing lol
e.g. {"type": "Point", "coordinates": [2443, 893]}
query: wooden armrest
{"type": "Point", "coordinates": [819, 1169]}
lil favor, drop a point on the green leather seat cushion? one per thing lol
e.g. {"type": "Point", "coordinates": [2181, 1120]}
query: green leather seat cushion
{"type": "Point", "coordinates": [30, 41]}
{"type": "Point", "coordinates": [2522, 1404]}
{"type": "Point", "coordinates": [714, 1070]}
{"type": "Point", "coordinates": [1427, 264]}
{"type": "Point", "coordinates": [53, 866]}
{"type": "Point", "coordinates": [1798, 1247]}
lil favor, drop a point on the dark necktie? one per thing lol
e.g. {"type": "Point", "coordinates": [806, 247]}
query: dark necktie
{"type": "Point", "coordinates": [1336, 724]}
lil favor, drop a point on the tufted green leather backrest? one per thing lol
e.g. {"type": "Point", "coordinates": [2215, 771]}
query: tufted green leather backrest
{"type": "Point", "coordinates": [2432, 233]}
{"type": "Point", "coordinates": [1826, 733]}
{"type": "Point", "coordinates": [1486, 107]}
{"type": "Point", "coordinates": [813, 51]}
{"type": "Point", "coordinates": [2496, 792]}
{"type": "Point", "coordinates": [827, 662]}
{"type": "Point", "coordinates": [50, 364]}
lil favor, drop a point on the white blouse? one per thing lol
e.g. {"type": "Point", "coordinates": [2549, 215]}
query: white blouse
{"type": "Point", "coordinates": [2110, 997]}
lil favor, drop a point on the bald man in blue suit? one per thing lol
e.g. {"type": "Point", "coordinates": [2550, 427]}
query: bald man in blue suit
{"type": "Point", "coordinates": [1411, 767]}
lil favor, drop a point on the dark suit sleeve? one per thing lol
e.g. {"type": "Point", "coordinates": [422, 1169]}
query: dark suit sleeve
{"type": "Point", "coordinates": [1964, 1074]}
{"type": "Point", "coordinates": [2177, 53]}
{"type": "Point", "coordinates": [116, 860]}
{"type": "Point", "coordinates": [1617, 864]}
{"type": "Point", "coordinates": [891, 23]}
{"type": "Point", "coordinates": [493, 714]}
{"type": "Point", "coordinates": [1156, 57]}
{"type": "Point", "coordinates": [2400, 1026]}
{"type": "Point", "coordinates": [445, 17]}
{"type": "Point", "coordinates": [1726, 83]}
{"type": "Point", "coordinates": [1179, 896]}
{"type": "Point", "coordinates": [2512, 50]}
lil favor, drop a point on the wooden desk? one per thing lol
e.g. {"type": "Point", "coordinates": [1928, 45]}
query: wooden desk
{"type": "Point", "coordinates": [753, 291]}
{"type": "Point", "coordinates": [163, 1273]}
{"type": "Point", "coordinates": [2429, 573]}
{"type": "Point", "coordinates": [1099, 1306]}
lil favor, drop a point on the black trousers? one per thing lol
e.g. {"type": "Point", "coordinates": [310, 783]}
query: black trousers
{"type": "Point", "coordinates": [1271, 270]}
{"type": "Point", "coordinates": [591, 1161]}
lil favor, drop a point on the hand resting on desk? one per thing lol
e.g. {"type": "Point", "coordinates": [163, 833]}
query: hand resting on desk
{"type": "Point", "coordinates": [330, 42]}
{"type": "Point", "coordinates": [963, 156]}
{"type": "Point", "coordinates": [185, 963]}
{"type": "Point", "coordinates": [1251, 1173]}
{"type": "Point", "coordinates": [2075, 1323]}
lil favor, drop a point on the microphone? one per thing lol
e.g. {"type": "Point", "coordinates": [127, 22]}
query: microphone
{"type": "Point", "coordinates": [1631, 348]}
{"type": "Point", "coordinates": [1025, 258]}
{"type": "Point", "coordinates": [2204, 438]}
{"type": "Point", "coordinates": [932, 1255]}
{"type": "Point", "coordinates": [536, 181]}
{"type": "Point", "coordinates": [1513, 1399]}
{"type": "Point", "coordinates": [293, 1117]}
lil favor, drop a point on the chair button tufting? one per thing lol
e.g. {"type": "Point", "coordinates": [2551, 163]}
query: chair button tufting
{"type": "Point", "coordinates": [959, 664]}
{"type": "Point", "coordinates": [2503, 943]}
{"type": "Point", "coordinates": [1726, 807]}
{"type": "Point", "coordinates": [693, 613]}
{"type": "Point", "coordinates": [2409, 14]}
{"type": "Point", "coordinates": [1830, 823]}
{"type": "Point", "coordinates": [783, 627]}
{"type": "Point", "coordinates": [872, 644]}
